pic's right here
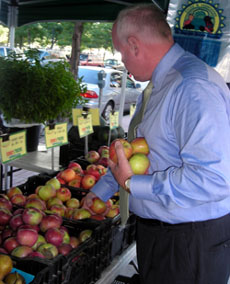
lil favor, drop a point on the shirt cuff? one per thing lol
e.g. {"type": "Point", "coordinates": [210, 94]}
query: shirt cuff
{"type": "Point", "coordinates": [141, 186]}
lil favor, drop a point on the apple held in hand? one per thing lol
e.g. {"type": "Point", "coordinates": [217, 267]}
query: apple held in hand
{"type": "Point", "coordinates": [139, 163]}
{"type": "Point", "coordinates": [92, 156]}
{"type": "Point", "coordinates": [140, 145]}
{"type": "Point", "coordinates": [98, 206]}
{"type": "Point", "coordinates": [126, 146]}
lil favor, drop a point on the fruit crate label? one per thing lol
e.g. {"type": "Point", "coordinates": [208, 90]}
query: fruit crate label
{"type": "Point", "coordinates": [56, 135]}
{"type": "Point", "coordinates": [85, 125]}
{"type": "Point", "coordinates": [132, 109]}
{"type": "Point", "coordinates": [114, 120]}
{"type": "Point", "coordinates": [76, 112]}
{"type": "Point", "coordinates": [13, 146]}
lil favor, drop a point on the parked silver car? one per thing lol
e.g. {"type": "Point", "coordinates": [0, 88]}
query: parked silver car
{"type": "Point", "coordinates": [111, 94]}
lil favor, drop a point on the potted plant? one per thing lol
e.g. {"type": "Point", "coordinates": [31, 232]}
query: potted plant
{"type": "Point", "coordinates": [31, 92]}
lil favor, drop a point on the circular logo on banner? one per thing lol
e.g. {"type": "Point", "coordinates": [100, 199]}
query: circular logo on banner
{"type": "Point", "coordinates": [200, 17]}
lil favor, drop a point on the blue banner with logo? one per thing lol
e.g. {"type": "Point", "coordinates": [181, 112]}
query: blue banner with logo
{"type": "Point", "coordinates": [203, 28]}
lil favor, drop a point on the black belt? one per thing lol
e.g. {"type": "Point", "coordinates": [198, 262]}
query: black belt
{"type": "Point", "coordinates": [154, 222]}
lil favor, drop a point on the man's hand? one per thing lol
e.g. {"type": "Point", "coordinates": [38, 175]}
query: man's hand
{"type": "Point", "coordinates": [88, 201]}
{"type": "Point", "coordinates": [122, 170]}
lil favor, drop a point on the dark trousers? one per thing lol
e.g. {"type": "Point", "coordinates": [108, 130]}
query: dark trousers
{"type": "Point", "coordinates": [189, 253]}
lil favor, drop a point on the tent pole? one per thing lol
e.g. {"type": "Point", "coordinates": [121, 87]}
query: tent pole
{"type": "Point", "coordinates": [12, 23]}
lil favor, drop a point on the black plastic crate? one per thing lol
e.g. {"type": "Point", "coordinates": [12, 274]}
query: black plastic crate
{"type": "Point", "coordinates": [45, 271]}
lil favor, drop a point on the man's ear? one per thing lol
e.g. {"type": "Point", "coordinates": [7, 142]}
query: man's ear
{"type": "Point", "coordinates": [134, 45]}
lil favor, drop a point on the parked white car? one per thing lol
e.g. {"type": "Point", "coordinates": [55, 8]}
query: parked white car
{"type": "Point", "coordinates": [111, 93]}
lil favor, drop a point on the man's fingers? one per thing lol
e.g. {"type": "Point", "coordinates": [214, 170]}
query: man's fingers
{"type": "Point", "coordinates": [119, 150]}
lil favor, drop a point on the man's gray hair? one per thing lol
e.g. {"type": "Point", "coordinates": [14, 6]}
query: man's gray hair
{"type": "Point", "coordinates": [144, 20]}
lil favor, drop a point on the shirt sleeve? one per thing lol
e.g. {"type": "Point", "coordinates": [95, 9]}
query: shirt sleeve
{"type": "Point", "coordinates": [199, 122]}
{"type": "Point", "coordinates": [106, 187]}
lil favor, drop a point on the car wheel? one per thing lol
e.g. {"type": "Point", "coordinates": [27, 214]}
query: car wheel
{"type": "Point", "coordinates": [108, 108]}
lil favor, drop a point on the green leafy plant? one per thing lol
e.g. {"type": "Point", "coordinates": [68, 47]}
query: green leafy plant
{"type": "Point", "coordinates": [33, 92]}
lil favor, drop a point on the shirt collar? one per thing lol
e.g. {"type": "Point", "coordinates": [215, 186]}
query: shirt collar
{"type": "Point", "coordinates": [166, 63]}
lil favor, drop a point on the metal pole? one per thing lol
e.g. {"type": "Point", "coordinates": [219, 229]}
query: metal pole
{"type": "Point", "coordinates": [12, 23]}
{"type": "Point", "coordinates": [52, 158]}
{"type": "Point", "coordinates": [122, 102]}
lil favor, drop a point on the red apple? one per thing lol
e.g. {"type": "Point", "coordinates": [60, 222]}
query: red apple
{"type": "Point", "coordinates": [21, 251]}
{"type": "Point", "coordinates": [50, 221]}
{"type": "Point", "coordinates": [41, 240]}
{"type": "Point", "coordinates": [102, 169]}
{"type": "Point", "coordinates": [47, 191]}
{"type": "Point", "coordinates": [32, 216]}
{"type": "Point", "coordinates": [18, 199]}
{"type": "Point", "coordinates": [74, 242]}
{"type": "Point", "coordinates": [66, 236]}
{"type": "Point", "coordinates": [61, 180]}
{"type": "Point", "coordinates": [58, 209]}
{"type": "Point", "coordinates": [36, 254]}
{"type": "Point", "coordinates": [84, 235]}
{"type": "Point", "coordinates": [35, 203]}
{"type": "Point", "coordinates": [94, 172]}
{"type": "Point", "coordinates": [53, 201]}
{"type": "Point", "coordinates": [113, 211]}
{"type": "Point", "coordinates": [67, 175]}
{"type": "Point", "coordinates": [18, 211]}
{"type": "Point", "coordinates": [76, 167]}
{"type": "Point", "coordinates": [31, 196]}
{"type": "Point", "coordinates": [27, 226]}
{"type": "Point", "coordinates": [13, 190]}
{"type": "Point", "coordinates": [92, 156]}
{"type": "Point", "coordinates": [64, 249]}
{"type": "Point", "coordinates": [4, 203]}
{"type": "Point", "coordinates": [54, 182]}
{"type": "Point", "coordinates": [73, 203]}
{"type": "Point", "coordinates": [103, 151]}
{"type": "Point", "coordinates": [126, 146]}
{"type": "Point", "coordinates": [76, 182]}
{"type": "Point", "coordinates": [69, 212]}
{"type": "Point", "coordinates": [139, 163]}
{"type": "Point", "coordinates": [48, 250]}
{"type": "Point", "coordinates": [98, 206]}
{"type": "Point", "coordinates": [63, 194]}
{"type": "Point", "coordinates": [80, 213]}
{"type": "Point", "coordinates": [98, 217]}
{"type": "Point", "coordinates": [54, 236]}
{"type": "Point", "coordinates": [104, 161]}
{"type": "Point", "coordinates": [139, 145]}
{"type": "Point", "coordinates": [27, 237]}
{"type": "Point", "coordinates": [16, 221]}
{"type": "Point", "coordinates": [6, 233]}
{"type": "Point", "coordinates": [88, 181]}
{"type": "Point", "coordinates": [10, 244]}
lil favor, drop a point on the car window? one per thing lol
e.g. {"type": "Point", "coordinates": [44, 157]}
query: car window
{"type": "Point", "coordinates": [130, 83]}
{"type": "Point", "coordinates": [89, 76]}
{"type": "Point", "coordinates": [2, 51]}
{"type": "Point", "coordinates": [115, 80]}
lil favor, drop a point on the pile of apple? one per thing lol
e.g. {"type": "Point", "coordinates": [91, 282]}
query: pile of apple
{"type": "Point", "coordinates": [135, 151]}
{"type": "Point", "coordinates": [30, 232]}
{"type": "Point", "coordinates": [76, 176]}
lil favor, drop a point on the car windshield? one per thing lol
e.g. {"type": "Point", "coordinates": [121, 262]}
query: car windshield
{"type": "Point", "coordinates": [89, 76]}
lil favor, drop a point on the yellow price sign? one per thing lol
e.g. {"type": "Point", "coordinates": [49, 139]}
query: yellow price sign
{"type": "Point", "coordinates": [85, 125]}
{"type": "Point", "coordinates": [114, 120]}
{"type": "Point", "coordinates": [56, 135]}
{"type": "Point", "coordinates": [76, 112]}
{"type": "Point", "coordinates": [132, 109]}
{"type": "Point", "coordinates": [13, 146]}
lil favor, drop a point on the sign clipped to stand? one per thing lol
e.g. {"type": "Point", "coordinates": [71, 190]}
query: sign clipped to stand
{"type": "Point", "coordinates": [13, 146]}
{"type": "Point", "coordinates": [85, 125]}
{"type": "Point", "coordinates": [56, 135]}
{"type": "Point", "coordinates": [113, 119]}
{"type": "Point", "coordinates": [76, 112]}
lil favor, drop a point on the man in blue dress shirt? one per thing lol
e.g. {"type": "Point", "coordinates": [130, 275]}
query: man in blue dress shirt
{"type": "Point", "coordinates": [183, 203]}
